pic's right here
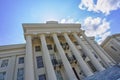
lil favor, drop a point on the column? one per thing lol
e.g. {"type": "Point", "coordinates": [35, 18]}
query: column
{"type": "Point", "coordinates": [87, 51]}
{"type": "Point", "coordinates": [29, 67]}
{"type": "Point", "coordinates": [67, 66]}
{"type": "Point", "coordinates": [48, 64]}
{"type": "Point", "coordinates": [100, 53]}
{"type": "Point", "coordinates": [78, 56]}
{"type": "Point", "coordinates": [113, 61]}
{"type": "Point", "coordinates": [11, 68]}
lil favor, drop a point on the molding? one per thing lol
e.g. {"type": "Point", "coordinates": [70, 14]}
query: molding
{"type": "Point", "coordinates": [10, 47]}
{"type": "Point", "coordinates": [108, 38]}
{"type": "Point", "coordinates": [50, 26]}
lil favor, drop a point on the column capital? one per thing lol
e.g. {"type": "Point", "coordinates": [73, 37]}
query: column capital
{"type": "Point", "coordinates": [28, 37]}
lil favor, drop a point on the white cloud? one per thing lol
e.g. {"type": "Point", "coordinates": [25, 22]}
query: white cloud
{"type": "Point", "coordinates": [97, 27]}
{"type": "Point", "coordinates": [104, 6]}
{"type": "Point", "coordinates": [68, 20]}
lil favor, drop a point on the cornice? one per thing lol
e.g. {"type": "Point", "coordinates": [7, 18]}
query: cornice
{"type": "Point", "coordinates": [108, 38]}
{"type": "Point", "coordinates": [9, 47]}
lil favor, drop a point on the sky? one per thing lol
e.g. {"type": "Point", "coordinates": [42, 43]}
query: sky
{"type": "Point", "coordinates": [99, 18]}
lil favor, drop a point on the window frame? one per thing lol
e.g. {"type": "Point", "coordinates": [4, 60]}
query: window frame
{"type": "Point", "coordinates": [37, 48]}
{"type": "Point", "coordinates": [39, 61]}
{"type": "Point", "coordinates": [49, 46]}
{"type": "Point", "coordinates": [43, 76]}
{"type": "Point", "coordinates": [3, 75]}
{"type": "Point", "coordinates": [4, 63]}
{"type": "Point", "coordinates": [20, 76]}
{"type": "Point", "coordinates": [21, 60]}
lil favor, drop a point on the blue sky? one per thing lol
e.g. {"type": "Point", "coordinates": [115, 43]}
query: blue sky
{"type": "Point", "coordinates": [100, 18]}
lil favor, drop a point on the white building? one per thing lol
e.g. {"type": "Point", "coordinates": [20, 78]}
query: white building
{"type": "Point", "coordinates": [112, 46]}
{"type": "Point", "coordinates": [53, 51]}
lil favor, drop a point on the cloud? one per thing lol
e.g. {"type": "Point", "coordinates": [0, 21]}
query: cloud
{"type": "Point", "coordinates": [104, 6]}
{"type": "Point", "coordinates": [68, 20]}
{"type": "Point", "coordinates": [97, 27]}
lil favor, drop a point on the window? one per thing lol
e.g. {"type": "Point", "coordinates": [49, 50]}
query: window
{"type": "Point", "coordinates": [42, 77]}
{"type": "Point", "coordinates": [4, 63]}
{"type": "Point", "coordinates": [49, 47]}
{"type": "Point", "coordinates": [21, 60]}
{"type": "Point", "coordinates": [54, 61]}
{"type": "Point", "coordinates": [84, 56]}
{"type": "Point", "coordinates": [95, 55]}
{"type": "Point", "coordinates": [20, 74]}
{"type": "Point", "coordinates": [59, 75]}
{"type": "Point", "coordinates": [2, 75]}
{"type": "Point", "coordinates": [37, 48]}
{"type": "Point", "coordinates": [113, 48]}
{"type": "Point", "coordinates": [39, 61]}
{"type": "Point", "coordinates": [91, 66]}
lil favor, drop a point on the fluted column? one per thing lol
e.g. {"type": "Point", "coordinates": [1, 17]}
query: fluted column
{"type": "Point", "coordinates": [100, 53]}
{"type": "Point", "coordinates": [48, 64]}
{"type": "Point", "coordinates": [95, 61]}
{"type": "Point", "coordinates": [29, 67]}
{"type": "Point", "coordinates": [65, 61]}
{"type": "Point", "coordinates": [78, 56]}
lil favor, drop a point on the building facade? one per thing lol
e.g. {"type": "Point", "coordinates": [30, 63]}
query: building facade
{"type": "Point", "coordinates": [112, 46]}
{"type": "Point", "coordinates": [53, 51]}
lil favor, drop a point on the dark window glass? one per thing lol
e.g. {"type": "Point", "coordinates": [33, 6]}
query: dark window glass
{"type": "Point", "coordinates": [2, 75]}
{"type": "Point", "coordinates": [95, 55]}
{"type": "Point", "coordinates": [84, 56]}
{"type": "Point", "coordinates": [20, 74]}
{"type": "Point", "coordinates": [59, 75]}
{"type": "Point", "coordinates": [21, 60]}
{"type": "Point", "coordinates": [54, 61]}
{"type": "Point", "coordinates": [49, 47]}
{"type": "Point", "coordinates": [113, 48]}
{"type": "Point", "coordinates": [92, 66]}
{"type": "Point", "coordinates": [42, 77]}
{"type": "Point", "coordinates": [39, 61]}
{"type": "Point", "coordinates": [4, 63]}
{"type": "Point", "coordinates": [37, 48]}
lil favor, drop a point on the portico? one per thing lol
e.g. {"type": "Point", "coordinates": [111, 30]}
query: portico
{"type": "Point", "coordinates": [57, 32]}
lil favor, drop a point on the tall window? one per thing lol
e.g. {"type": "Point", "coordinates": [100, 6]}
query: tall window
{"type": "Point", "coordinates": [39, 61]}
{"type": "Point", "coordinates": [20, 74]}
{"type": "Point", "coordinates": [2, 75]}
{"type": "Point", "coordinates": [4, 63]}
{"type": "Point", "coordinates": [59, 75]}
{"type": "Point", "coordinates": [42, 77]}
{"type": "Point", "coordinates": [21, 60]}
{"type": "Point", "coordinates": [37, 48]}
{"type": "Point", "coordinates": [54, 61]}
